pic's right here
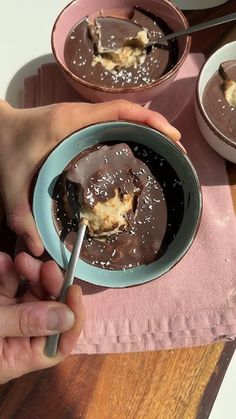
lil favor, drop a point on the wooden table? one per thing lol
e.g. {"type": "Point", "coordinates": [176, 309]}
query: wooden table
{"type": "Point", "coordinates": [174, 384]}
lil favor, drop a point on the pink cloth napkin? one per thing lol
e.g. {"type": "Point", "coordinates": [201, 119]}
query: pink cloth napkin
{"type": "Point", "coordinates": [194, 303]}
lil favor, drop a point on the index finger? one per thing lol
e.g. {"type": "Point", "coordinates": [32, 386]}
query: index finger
{"type": "Point", "coordinates": [68, 117]}
{"type": "Point", "coordinates": [44, 276]}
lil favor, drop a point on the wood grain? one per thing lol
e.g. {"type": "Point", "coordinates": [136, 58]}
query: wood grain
{"type": "Point", "coordinates": [176, 384]}
{"type": "Point", "coordinates": [163, 384]}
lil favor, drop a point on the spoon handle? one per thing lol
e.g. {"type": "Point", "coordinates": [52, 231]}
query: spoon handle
{"type": "Point", "coordinates": [52, 341]}
{"type": "Point", "coordinates": [201, 26]}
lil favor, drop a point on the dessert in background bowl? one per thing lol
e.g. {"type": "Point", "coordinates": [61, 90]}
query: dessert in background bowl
{"type": "Point", "coordinates": [130, 180]}
{"type": "Point", "coordinates": [102, 48]}
{"type": "Point", "coordinates": [215, 104]}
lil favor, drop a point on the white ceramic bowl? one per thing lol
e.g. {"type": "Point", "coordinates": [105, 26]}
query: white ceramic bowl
{"type": "Point", "coordinates": [219, 142]}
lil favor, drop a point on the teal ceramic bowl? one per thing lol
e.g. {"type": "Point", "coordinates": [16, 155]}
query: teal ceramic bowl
{"type": "Point", "coordinates": [118, 131]}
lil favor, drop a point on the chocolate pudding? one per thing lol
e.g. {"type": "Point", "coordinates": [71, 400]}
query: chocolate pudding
{"type": "Point", "coordinates": [110, 50]}
{"type": "Point", "coordinates": [133, 199]}
{"type": "Point", "coordinates": [219, 99]}
{"type": "Point", "coordinates": [107, 189]}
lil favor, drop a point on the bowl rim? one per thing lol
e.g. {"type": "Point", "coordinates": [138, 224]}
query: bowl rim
{"type": "Point", "coordinates": [199, 190]}
{"type": "Point", "coordinates": [105, 89]}
{"type": "Point", "coordinates": [203, 113]}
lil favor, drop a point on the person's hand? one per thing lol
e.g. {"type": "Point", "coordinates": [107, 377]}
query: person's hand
{"type": "Point", "coordinates": [24, 322]}
{"type": "Point", "coordinates": [28, 135]}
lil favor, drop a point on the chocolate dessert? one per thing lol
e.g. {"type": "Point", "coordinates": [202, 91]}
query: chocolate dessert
{"type": "Point", "coordinates": [111, 50]}
{"type": "Point", "coordinates": [132, 199]}
{"type": "Point", "coordinates": [219, 99]}
{"type": "Point", "coordinates": [107, 188]}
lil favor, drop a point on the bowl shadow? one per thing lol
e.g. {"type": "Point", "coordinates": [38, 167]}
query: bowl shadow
{"type": "Point", "coordinates": [15, 89]}
{"type": "Point", "coordinates": [177, 105]}
{"type": "Point", "coordinates": [88, 288]}
{"type": "Point", "coordinates": [171, 102]}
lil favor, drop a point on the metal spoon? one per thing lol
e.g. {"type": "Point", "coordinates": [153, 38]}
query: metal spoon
{"type": "Point", "coordinates": [52, 341]}
{"type": "Point", "coordinates": [196, 28]}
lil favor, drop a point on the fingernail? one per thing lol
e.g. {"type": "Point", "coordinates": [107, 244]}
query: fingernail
{"type": "Point", "coordinates": [60, 319]}
{"type": "Point", "coordinates": [36, 246]}
{"type": "Point", "coordinates": [174, 133]}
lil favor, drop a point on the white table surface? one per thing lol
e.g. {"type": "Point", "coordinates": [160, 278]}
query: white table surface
{"type": "Point", "coordinates": [25, 44]}
{"type": "Point", "coordinates": [25, 29]}
{"type": "Point", "coordinates": [225, 406]}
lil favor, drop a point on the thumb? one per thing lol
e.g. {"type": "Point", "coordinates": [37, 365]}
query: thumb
{"type": "Point", "coordinates": [35, 319]}
{"type": "Point", "coordinates": [20, 218]}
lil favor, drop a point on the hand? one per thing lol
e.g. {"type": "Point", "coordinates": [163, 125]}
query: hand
{"type": "Point", "coordinates": [24, 322]}
{"type": "Point", "coordinates": [28, 135]}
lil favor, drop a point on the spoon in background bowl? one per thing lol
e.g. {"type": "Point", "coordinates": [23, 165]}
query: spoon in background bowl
{"type": "Point", "coordinates": [142, 42]}
{"type": "Point", "coordinates": [199, 27]}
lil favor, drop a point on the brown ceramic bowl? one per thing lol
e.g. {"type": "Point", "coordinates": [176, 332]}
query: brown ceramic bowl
{"type": "Point", "coordinates": [76, 10]}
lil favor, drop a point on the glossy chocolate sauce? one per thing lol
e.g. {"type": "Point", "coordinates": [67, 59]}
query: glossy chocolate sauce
{"type": "Point", "coordinates": [79, 51]}
{"type": "Point", "coordinates": [218, 110]}
{"type": "Point", "coordinates": [158, 216]}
